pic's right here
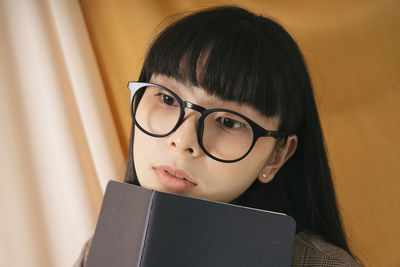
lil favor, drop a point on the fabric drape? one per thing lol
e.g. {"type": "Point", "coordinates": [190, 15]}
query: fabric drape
{"type": "Point", "coordinates": [58, 143]}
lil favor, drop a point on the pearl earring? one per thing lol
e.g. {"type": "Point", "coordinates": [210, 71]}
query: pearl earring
{"type": "Point", "coordinates": [264, 175]}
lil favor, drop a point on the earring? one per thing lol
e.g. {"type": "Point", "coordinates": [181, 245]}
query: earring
{"type": "Point", "coordinates": [264, 175]}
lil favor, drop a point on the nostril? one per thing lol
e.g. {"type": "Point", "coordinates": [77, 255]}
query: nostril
{"type": "Point", "coordinates": [190, 150]}
{"type": "Point", "coordinates": [173, 144]}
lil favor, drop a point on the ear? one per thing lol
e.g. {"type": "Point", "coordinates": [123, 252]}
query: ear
{"type": "Point", "coordinates": [277, 159]}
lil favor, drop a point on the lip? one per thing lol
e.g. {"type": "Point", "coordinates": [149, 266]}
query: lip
{"type": "Point", "coordinates": [166, 175]}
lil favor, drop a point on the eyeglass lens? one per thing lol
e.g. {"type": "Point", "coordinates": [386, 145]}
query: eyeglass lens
{"type": "Point", "coordinates": [225, 135]}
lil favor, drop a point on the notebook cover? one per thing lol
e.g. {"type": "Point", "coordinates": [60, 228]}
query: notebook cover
{"type": "Point", "coordinates": [140, 227]}
{"type": "Point", "coordinates": [120, 231]}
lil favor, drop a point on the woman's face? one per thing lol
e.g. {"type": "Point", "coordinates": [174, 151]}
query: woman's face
{"type": "Point", "coordinates": [158, 161]}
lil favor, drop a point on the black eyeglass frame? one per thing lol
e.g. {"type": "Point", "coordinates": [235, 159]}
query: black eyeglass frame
{"type": "Point", "coordinates": [258, 131]}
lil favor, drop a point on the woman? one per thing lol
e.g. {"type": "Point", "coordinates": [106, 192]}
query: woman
{"type": "Point", "coordinates": [224, 110]}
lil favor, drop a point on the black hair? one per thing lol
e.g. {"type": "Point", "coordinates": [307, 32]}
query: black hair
{"type": "Point", "coordinates": [237, 55]}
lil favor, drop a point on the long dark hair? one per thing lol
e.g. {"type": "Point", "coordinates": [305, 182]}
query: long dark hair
{"type": "Point", "coordinates": [237, 55]}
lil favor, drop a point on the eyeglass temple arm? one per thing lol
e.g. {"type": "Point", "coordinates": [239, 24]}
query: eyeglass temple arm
{"type": "Point", "coordinates": [277, 134]}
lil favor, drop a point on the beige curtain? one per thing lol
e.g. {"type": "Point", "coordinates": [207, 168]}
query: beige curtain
{"type": "Point", "coordinates": [58, 143]}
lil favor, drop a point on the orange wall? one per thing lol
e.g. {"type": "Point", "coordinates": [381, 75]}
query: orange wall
{"type": "Point", "coordinates": [352, 49]}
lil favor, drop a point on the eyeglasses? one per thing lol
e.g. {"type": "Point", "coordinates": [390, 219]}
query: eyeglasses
{"type": "Point", "coordinates": [224, 135]}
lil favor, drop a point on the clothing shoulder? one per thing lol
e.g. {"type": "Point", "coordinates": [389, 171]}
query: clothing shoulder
{"type": "Point", "coordinates": [311, 250]}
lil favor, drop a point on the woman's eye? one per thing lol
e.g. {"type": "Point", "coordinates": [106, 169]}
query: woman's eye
{"type": "Point", "coordinates": [229, 123]}
{"type": "Point", "coordinates": [167, 99]}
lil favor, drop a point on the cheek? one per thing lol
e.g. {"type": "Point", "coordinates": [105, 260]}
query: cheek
{"type": "Point", "coordinates": [143, 151]}
{"type": "Point", "coordinates": [143, 144]}
{"type": "Point", "coordinates": [235, 178]}
{"type": "Point", "coordinates": [262, 151]}
{"type": "Point", "coordinates": [230, 181]}
{"type": "Point", "coordinates": [138, 146]}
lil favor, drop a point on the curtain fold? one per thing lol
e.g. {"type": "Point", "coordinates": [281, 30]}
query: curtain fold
{"type": "Point", "coordinates": [58, 143]}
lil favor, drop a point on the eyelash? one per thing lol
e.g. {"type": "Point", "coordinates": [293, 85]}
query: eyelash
{"type": "Point", "coordinates": [220, 120]}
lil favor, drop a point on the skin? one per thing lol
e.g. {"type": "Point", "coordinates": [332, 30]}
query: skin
{"type": "Point", "coordinates": [216, 181]}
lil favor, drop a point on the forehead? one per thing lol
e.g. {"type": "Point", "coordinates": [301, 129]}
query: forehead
{"type": "Point", "coordinates": [200, 96]}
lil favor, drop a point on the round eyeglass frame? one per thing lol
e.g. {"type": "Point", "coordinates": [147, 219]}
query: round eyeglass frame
{"type": "Point", "coordinates": [258, 131]}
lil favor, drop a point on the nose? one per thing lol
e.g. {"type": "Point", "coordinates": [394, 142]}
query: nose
{"type": "Point", "coordinates": [184, 139]}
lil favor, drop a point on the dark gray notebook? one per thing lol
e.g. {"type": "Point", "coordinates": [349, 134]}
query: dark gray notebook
{"type": "Point", "coordinates": [140, 227]}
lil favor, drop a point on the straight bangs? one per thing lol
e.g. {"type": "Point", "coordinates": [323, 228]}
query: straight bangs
{"type": "Point", "coordinates": [233, 57]}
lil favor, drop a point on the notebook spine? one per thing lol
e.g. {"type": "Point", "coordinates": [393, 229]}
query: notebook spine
{"type": "Point", "coordinates": [146, 226]}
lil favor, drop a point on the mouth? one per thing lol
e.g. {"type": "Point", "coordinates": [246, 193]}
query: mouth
{"type": "Point", "coordinates": [174, 179]}
{"type": "Point", "coordinates": [177, 176]}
